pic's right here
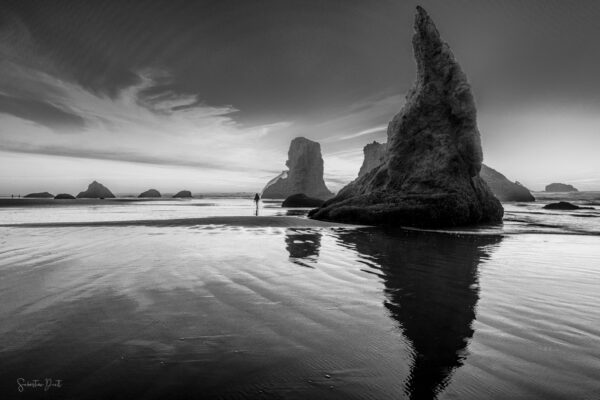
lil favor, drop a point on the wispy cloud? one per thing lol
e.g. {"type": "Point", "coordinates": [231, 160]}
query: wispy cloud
{"type": "Point", "coordinates": [369, 131]}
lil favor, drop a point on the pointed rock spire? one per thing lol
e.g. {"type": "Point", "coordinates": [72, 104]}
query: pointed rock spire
{"type": "Point", "coordinates": [430, 176]}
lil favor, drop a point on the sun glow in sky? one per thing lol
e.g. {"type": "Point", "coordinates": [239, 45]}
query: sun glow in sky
{"type": "Point", "coordinates": [206, 96]}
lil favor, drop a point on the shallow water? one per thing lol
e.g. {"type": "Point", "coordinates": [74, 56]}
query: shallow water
{"type": "Point", "coordinates": [257, 312]}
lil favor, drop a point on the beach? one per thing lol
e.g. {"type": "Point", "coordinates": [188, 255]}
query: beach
{"type": "Point", "coordinates": [204, 298]}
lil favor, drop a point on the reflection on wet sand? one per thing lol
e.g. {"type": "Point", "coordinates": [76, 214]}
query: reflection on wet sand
{"type": "Point", "coordinates": [302, 245]}
{"type": "Point", "coordinates": [431, 290]}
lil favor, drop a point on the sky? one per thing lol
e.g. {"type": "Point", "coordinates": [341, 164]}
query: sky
{"type": "Point", "coordinates": [207, 95]}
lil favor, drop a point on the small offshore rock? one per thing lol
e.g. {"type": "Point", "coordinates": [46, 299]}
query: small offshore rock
{"type": "Point", "coordinates": [184, 194]}
{"type": "Point", "coordinates": [151, 193]}
{"type": "Point", "coordinates": [564, 205]}
{"type": "Point", "coordinates": [560, 187]}
{"type": "Point", "coordinates": [64, 196]}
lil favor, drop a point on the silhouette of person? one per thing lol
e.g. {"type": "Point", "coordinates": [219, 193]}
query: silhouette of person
{"type": "Point", "coordinates": [256, 200]}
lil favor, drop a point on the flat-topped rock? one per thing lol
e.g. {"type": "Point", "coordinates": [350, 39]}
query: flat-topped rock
{"type": "Point", "coordinates": [96, 190]}
{"type": "Point", "coordinates": [40, 195]}
{"type": "Point", "coordinates": [151, 193]}
{"type": "Point", "coordinates": [560, 187]}
{"type": "Point", "coordinates": [305, 174]}
{"type": "Point", "coordinates": [430, 176]}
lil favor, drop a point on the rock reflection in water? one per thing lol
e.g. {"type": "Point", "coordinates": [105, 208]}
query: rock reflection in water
{"type": "Point", "coordinates": [431, 290]}
{"type": "Point", "coordinates": [303, 245]}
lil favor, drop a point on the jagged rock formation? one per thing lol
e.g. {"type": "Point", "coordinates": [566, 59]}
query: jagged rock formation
{"type": "Point", "coordinates": [500, 186]}
{"type": "Point", "coordinates": [301, 200]}
{"type": "Point", "coordinates": [564, 205]}
{"type": "Point", "coordinates": [150, 193]}
{"type": "Point", "coordinates": [560, 187]}
{"type": "Point", "coordinates": [184, 194]}
{"type": "Point", "coordinates": [41, 195]}
{"type": "Point", "coordinates": [374, 157]}
{"type": "Point", "coordinates": [430, 176]}
{"type": "Point", "coordinates": [64, 196]}
{"type": "Point", "coordinates": [305, 174]}
{"type": "Point", "coordinates": [96, 190]}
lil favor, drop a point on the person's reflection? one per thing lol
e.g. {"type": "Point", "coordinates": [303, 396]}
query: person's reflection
{"type": "Point", "coordinates": [302, 245]}
{"type": "Point", "coordinates": [431, 290]}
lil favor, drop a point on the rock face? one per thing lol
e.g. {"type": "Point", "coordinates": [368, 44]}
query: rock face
{"type": "Point", "coordinates": [150, 193]}
{"type": "Point", "coordinates": [41, 195]}
{"type": "Point", "coordinates": [96, 190]}
{"type": "Point", "coordinates": [563, 205]}
{"type": "Point", "coordinates": [64, 196]}
{"type": "Point", "coordinates": [301, 200]}
{"type": "Point", "coordinates": [430, 176]}
{"type": "Point", "coordinates": [305, 174]}
{"type": "Point", "coordinates": [560, 187]}
{"type": "Point", "coordinates": [184, 194]}
{"type": "Point", "coordinates": [502, 188]}
{"type": "Point", "coordinates": [374, 157]}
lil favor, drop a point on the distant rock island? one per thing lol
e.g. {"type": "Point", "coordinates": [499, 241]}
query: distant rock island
{"type": "Point", "coordinates": [560, 187]}
{"type": "Point", "coordinates": [41, 195]}
{"type": "Point", "coordinates": [563, 205]}
{"type": "Point", "coordinates": [502, 188]}
{"type": "Point", "coordinates": [184, 194]}
{"type": "Point", "coordinates": [64, 196]}
{"type": "Point", "coordinates": [430, 176]}
{"type": "Point", "coordinates": [305, 174]}
{"type": "Point", "coordinates": [301, 200]}
{"type": "Point", "coordinates": [96, 190]}
{"type": "Point", "coordinates": [150, 193]}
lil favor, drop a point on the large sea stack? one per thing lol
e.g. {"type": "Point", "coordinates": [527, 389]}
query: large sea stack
{"type": "Point", "coordinates": [305, 174]}
{"type": "Point", "coordinates": [96, 190]}
{"type": "Point", "coordinates": [430, 176]}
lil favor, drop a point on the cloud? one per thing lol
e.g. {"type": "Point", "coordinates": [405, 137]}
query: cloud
{"type": "Point", "coordinates": [142, 125]}
{"type": "Point", "coordinates": [41, 112]}
{"type": "Point", "coordinates": [125, 156]}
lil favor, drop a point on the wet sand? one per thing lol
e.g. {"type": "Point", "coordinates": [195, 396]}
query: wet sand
{"type": "Point", "coordinates": [243, 221]}
{"type": "Point", "coordinates": [40, 202]}
{"type": "Point", "coordinates": [268, 307]}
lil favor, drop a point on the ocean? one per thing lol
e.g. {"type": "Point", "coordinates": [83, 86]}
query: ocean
{"type": "Point", "coordinates": [203, 299]}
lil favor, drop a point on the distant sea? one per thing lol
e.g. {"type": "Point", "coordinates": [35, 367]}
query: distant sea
{"type": "Point", "coordinates": [229, 310]}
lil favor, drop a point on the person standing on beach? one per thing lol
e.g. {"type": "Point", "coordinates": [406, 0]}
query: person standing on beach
{"type": "Point", "coordinates": [256, 200]}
